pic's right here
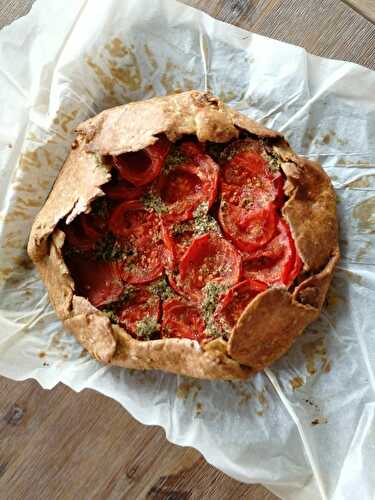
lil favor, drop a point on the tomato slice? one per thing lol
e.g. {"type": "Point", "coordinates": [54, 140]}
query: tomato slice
{"type": "Point", "coordinates": [131, 220]}
{"type": "Point", "coordinates": [182, 320]}
{"type": "Point", "coordinates": [248, 229]}
{"type": "Point", "coordinates": [98, 281]}
{"type": "Point", "coordinates": [140, 235]}
{"type": "Point", "coordinates": [209, 258]}
{"type": "Point", "coordinates": [176, 241]}
{"type": "Point", "coordinates": [142, 167]}
{"type": "Point", "coordinates": [277, 262]}
{"type": "Point", "coordinates": [121, 190]}
{"type": "Point", "coordinates": [143, 264]}
{"type": "Point", "coordinates": [235, 300]}
{"type": "Point", "coordinates": [185, 186]}
{"type": "Point", "coordinates": [142, 304]}
{"type": "Point", "coordinates": [85, 231]}
{"type": "Point", "coordinates": [247, 180]}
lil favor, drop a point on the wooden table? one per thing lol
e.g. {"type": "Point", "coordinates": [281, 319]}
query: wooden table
{"type": "Point", "coordinates": [58, 444]}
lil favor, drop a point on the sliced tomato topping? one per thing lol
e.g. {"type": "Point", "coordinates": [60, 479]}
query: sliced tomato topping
{"type": "Point", "coordinates": [131, 220]}
{"type": "Point", "coordinates": [185, 186]}
{"type": "Point", "coordinates": [182, 320]}
{"type": "Point", "coordinates": [209, 258]}
{"type": "Point", "coordinates": [277, 262]}
{"type": "Point", "coordinates": [142, 167]}
{"type": "Point", "coordinates": [235, 301]}
{"type": "Point", "coordinates": [177, 239]}
{"type": "Point", "coordinates": [121, 190]}
{"type": "Point", "coordinates": [142, 304]}
{"type": "Point", "coordinates": [85, 231]}
{"type": "Point", "coordinates": [141, 237]}
{"type": "Point", "coordinates": [247, 180]}
{"type": "Point", "coordinates": [98, 281]}
{"type": "Point", "coordinates": [142, 264]}
{"type": "Point", "coordinates": [248, 229]}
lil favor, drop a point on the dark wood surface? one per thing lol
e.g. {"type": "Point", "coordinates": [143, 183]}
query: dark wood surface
{"type": "Point", "coordinates": [58, 444]}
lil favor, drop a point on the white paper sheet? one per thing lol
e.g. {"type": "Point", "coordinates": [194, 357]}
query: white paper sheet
{"type": "Point", "coordinates": [305, 428]}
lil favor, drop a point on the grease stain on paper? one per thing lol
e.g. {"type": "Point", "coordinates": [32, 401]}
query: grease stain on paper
{"type": "Point", "coordinates": [262, 400]}
{"type": "Point", "coordinates": [296, 383]}
{"type": "Point", "coordinates": [361, 183]}
{"type": "Point", "coordinates": [188, 389]}
{"type": "Point", "coordinates": [319, 420]}
{"type": "Point", "coordinates": [171, 80]}
{"type": "Point", "coordinates": [198, 409]}
{"type": "Point", "coordinates": [314, 352]}
{"type": "Point", "coordinates": [242, 391]}
{"type": "Point", "coordinates": [364, 214]}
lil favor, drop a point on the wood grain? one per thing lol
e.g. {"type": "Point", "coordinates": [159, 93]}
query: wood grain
{"type": "Point", "coordinates": [327, 28]}
{"type": "Point", "coordinates": [58, 444]}
{"type": "Point", "coordinates": [61, 445]}
{"type": "Point", "coordinates": [364, 7]}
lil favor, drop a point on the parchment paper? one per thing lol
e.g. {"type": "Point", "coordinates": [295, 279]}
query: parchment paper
{"type": "Point", "coordinates": [306, 427]}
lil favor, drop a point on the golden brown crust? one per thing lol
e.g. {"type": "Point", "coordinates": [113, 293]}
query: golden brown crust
{"type": "Point", "coordinates": [177, 356]}
{"type": "Point", "coordinates": [268, 327]}
{"type": "Point", "coordinates": [77, 185]}
{"type": "Point", "coordinates": [310, 212]}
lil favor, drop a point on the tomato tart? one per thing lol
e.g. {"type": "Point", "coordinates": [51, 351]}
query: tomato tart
{"type": "Point", "coordinates": [183, 236]}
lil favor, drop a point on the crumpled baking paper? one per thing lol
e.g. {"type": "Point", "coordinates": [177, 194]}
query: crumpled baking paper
{"type": "Point", "coordinates": [306, 427]}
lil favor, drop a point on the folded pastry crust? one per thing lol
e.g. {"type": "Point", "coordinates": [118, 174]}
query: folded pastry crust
{"type": "Point", "coordinates": [271, 321]}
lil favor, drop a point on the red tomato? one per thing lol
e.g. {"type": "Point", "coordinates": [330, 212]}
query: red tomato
{"type": "Point", "coordinates": [209, 258]}
{"type": "Point", "coordinates": [243, 166]}
{"type": "Point", "coordinates": [176, 244]}
{"type": "Point", "coordinates": [252, 182]}
{"type": "Point", "coordinates": [182, 320]}
{"type": "Point", "coordinates": [142, 167]}
{"type": "Point", "coordinates": [277, 262]}
{"type": "Point", "coordinates": [85, 231]}
{"type": "Point", "coordinates": [235, 301]}
{"type": "Point", "coordinates": [189, 184]}
{"type": "Point", "coordinates": [247, 229]}
{"type": "Point", "coordinates": [143, 304]}
{"type": "Point", "coordinates": [98, 281]}
{"type": "Point", "coordinates": [132, 221]}
{"type": "Point", "coordinates": [121, 190]}
{"type": "Point", "coordinates": [144, 266]}
{"type": "Point", "coordinates": [141, 237]}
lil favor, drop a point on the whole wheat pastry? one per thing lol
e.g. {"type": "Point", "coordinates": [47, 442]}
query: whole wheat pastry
{"type": "Point", "coordinates": [183, 236]}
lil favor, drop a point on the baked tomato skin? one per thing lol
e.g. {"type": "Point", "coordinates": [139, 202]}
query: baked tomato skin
{"type": "Point", "coordinates": [176, 242]}
{"type": "Point", "coordinates": [277, 262]}
{"type": "Point", "coordinates": [98, 281]}
{"type": "Point", "coordinates": [131, 220]}
{"type": "Point", "coordinates": [182, 320]}
{"type": "Point", "coordinates": [122, 190]}
{"type": "Point", "coordinates": [209, 258]}
{"type": "Point", "coordinates": [140, 305]}
{"type": "Point", "coordinates": [139, 233]}
{"type": "Point", "coordinates": [235, 301]}
{"type": "Point", "coordinates": [142, 167]}
{"type": "Point", "coordinates": [253, 184]}
{"type": "Point", "coordinates": [247, 229]}
{"type": "Point", "coordinates": [187, 185]}
{"type": "Point", "coordinates": [85, 231]}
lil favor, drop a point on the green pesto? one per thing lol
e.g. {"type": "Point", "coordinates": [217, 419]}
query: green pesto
{"type": "Point", "coordinates": [162, 289]}
{"type": "Point", "coordinates": [108, 249]}
{"type": "Point", "coordinates": [147, 328]}
{"type": "Point", "coordinates": [211, 295]}
{"type": "Point", "coordinates": [174, 158]}
{"type": "Point", "coordinates": [153, 203]}
{"type": "Point", "coordinates": [111, 314]}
